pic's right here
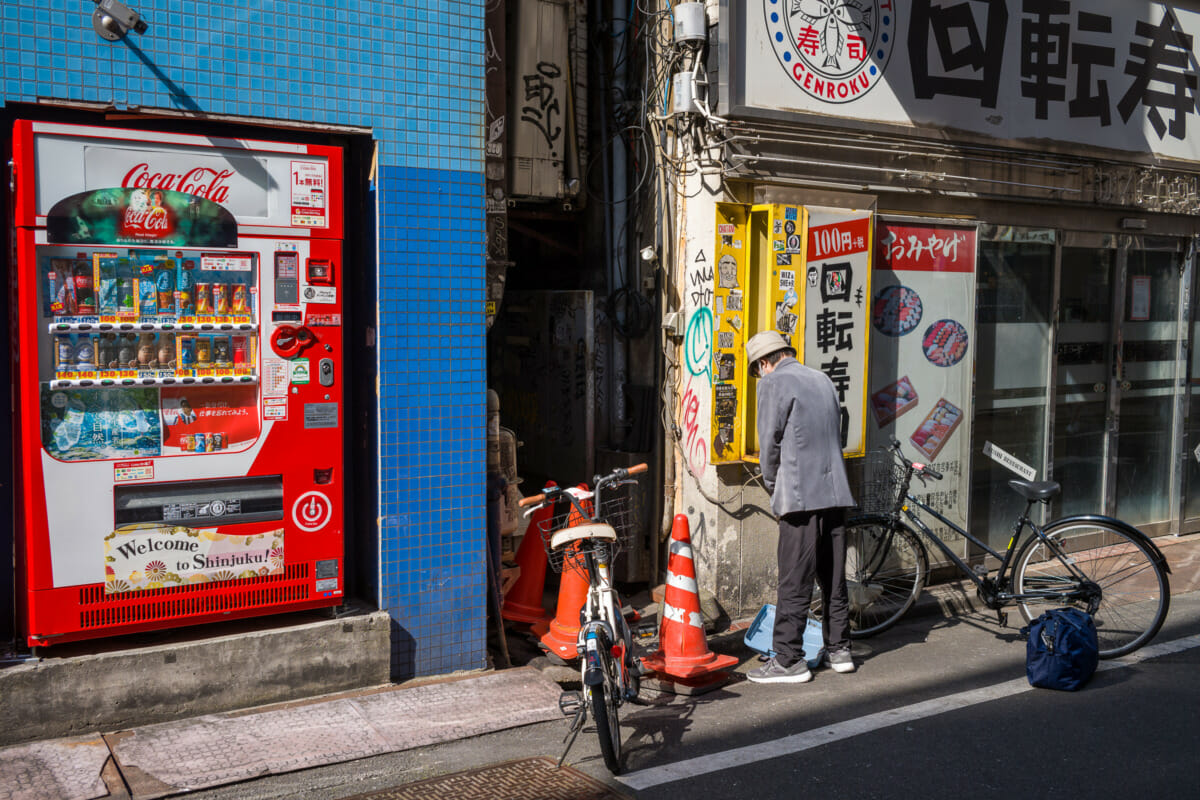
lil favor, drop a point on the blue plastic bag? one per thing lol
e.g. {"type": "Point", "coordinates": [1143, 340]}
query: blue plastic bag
{"type": "Point", "coordinates": [761, 632]}
{"type": "Point", "coordinates": [1062, 651]}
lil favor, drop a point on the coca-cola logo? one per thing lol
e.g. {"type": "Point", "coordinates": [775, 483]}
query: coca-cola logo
{"type": "Point", "coordinates": [199, 181]}
{"type": "Point", "coordinates": [146, 216]}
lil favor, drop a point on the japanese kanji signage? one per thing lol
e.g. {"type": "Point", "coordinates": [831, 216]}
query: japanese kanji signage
{"type": "Point", "coordinates": [837, 285]}
{"type": "Point", "coordinates": [1121, 74]}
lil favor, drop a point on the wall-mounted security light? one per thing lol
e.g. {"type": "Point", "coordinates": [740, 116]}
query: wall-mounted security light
{"type": "Point", "coordinates": [648, 253]}
{"type": "Point", "coordinates": [690, 23]}
{"type": "Point", "coordinates": [112, 19]}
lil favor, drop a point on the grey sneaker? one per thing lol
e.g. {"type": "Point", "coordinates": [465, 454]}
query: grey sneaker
{"type": "Point", "coordinates": [772, 672]}
{"type": "Point", "coordinates": [840, 660]}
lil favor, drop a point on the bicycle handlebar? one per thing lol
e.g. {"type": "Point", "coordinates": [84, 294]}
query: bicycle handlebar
{"type": "Point", "coordinates": [921, 470]}
{"type": "Point", "coordinates": [617, 474]}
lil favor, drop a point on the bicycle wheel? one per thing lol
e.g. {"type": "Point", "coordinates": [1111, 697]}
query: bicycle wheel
{"type": "Point", "coordinates": [885, 571]}
{"type": "Point", "coordinates": [1126, 591]}
{"type": "Point", "coordinates": [605, 698]}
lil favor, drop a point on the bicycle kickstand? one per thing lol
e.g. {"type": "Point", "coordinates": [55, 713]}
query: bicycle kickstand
{"type": "Point", "coordinates": [571, 701]}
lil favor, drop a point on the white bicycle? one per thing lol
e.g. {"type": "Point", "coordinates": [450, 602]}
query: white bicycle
{"type": "Point", "coordinates": [586, 533]}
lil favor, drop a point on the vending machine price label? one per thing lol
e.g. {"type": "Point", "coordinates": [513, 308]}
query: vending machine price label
{"type": "Point", "coordinates": [275, 408]}
{"type": "Point", "coordinates": [224, 263]}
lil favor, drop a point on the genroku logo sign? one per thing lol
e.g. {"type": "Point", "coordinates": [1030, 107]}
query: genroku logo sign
{"type": "Point", "coordinates": [834, 50]}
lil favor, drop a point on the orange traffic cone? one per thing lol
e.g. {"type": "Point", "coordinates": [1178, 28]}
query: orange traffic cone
{"type": "Point", "coordinates": [561, 636]}
{"type": "Point", "coordinates": [683, 651]}
{"type": "Point", "coordinates": [524, 600]}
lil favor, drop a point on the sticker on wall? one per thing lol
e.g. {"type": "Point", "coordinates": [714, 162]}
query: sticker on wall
{"type": "Point", "coordinates": [791, 212]}
{"type": "Point", "coordinates": [777, 245]}
{"type": "Point", "coordinates": [896, 310]}
{"type": "Point", "coordinates": [814, 275]}
{"type": "Point", "coordinates": [726, 366]}
{"type": "Point", "coordinates": [893, 400]}
{"type": "Point", "coordinates": [785, 320]}
{"type": "Point", "coordinates": [142, 557]}
{"type": "Point", "coordinates": [935, 430]}
{"type": "Point", "coordinates": [783, 259]}
{"type": "Point", "coordinates": [734, 301]}
{"type": "Point", "coordinates": [724, 412]}
{"type": "Point", "coordinates": [791, 298]}
{"type": "Point", "coordinates": [727, 273]}
{"type": "Point", "coordinates": [945, 343]}
{"type": "Point", "coordinates": [777, 228]}
{"type": "Point", "coordinates": [787, 281]}
{"type": "Point", "coordinates": [835, 281]}
{"type": "Point", "coordinates": [793, 244]}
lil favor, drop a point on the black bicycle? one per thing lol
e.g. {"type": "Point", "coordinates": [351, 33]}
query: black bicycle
{"type": "Point", "coordinates": [1096, 563]}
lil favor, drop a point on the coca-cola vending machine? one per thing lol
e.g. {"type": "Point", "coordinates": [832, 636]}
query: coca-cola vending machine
{"type": "Point", "coordinates": [178, 358]}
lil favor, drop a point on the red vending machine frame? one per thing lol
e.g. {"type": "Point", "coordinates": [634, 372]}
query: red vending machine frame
{"type": "Point", "coordinates": [179, 370]}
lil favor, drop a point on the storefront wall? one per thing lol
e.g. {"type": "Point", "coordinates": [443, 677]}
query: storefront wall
{"type": "Point", "coordinates": [412, 74]}
{"type": "Point", "coordinates": [1083, 337]}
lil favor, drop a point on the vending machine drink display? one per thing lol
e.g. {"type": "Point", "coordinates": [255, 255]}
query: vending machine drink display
{"type": "Point", "coordinates": [179, 368]}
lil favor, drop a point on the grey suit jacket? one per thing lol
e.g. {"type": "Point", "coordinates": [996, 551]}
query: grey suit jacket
{"type": "Point", "coordinates": [799, 439]}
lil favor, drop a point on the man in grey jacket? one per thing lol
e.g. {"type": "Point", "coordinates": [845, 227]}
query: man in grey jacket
{"type": "Point", "coordinates": [800, 452]}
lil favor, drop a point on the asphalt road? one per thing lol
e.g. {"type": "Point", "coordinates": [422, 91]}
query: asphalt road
{"type": "Point", "coordinates": [938, 709]}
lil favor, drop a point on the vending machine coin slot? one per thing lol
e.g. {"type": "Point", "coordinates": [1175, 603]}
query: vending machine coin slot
{"type": "Point", "coordinates": [287, 278]}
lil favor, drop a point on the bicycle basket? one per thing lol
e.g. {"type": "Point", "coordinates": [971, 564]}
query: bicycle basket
{"type": "Point", "coordinates": [880, 480]}
{"type": "Point", "coordinates": [615, 509]}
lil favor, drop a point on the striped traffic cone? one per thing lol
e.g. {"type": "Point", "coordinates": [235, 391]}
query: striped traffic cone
{"type": "Point", "coordinates": [523, 603]}
{"type": "Point", "coordinates": [561, 636]}
{"type": "Point", "coordinates": [683, 652]}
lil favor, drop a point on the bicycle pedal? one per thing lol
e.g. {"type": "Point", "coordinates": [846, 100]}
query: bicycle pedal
{"type": "Point", "coordinates": [570, 703]}
{"type": "Point", "coordinates": [647, 630]}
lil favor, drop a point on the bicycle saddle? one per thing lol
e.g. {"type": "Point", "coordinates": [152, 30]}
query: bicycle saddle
{"type": "Point", "coordinates": [565, 536]}
{"type": "Point", "coordinates": [1035, 490]}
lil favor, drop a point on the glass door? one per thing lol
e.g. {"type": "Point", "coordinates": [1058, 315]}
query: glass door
{"type": "Point", "coordinates": [1118, 339]}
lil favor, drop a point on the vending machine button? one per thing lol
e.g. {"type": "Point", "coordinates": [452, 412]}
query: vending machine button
{"type": "Point", "coordinates": [104, 326]}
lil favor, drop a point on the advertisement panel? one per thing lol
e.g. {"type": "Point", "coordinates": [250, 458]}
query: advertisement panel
{"type": "Point", "coordinates": [922, 361]}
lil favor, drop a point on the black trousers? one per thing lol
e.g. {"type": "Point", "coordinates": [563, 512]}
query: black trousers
{"type": "Point", "coordinates": [812, 546]}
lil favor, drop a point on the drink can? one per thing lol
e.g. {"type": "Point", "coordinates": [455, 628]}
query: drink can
{"type": "Point", "coordinates": [204, 299]}
{"type": "Point", "coordinates": [203, 351]}
{"type": "Point", "coordinates": [187, 442]}
{"type": "Point", "coordinates": [187, 352]}
{"type": "Point", "coordinates": [64, 353]}
{"type": "Point", "coordinates": [216, 441]}
{"type": "Point", "coordinates": [241, 299]}
{"type": "Point", "coordinates": [220, 296]}
{"type": "Point", "coordinates": [199, 440]}
{"type": "Point", "coordinates": [220, 351]}
{"type": "Point", "coordinates": [241, 349]}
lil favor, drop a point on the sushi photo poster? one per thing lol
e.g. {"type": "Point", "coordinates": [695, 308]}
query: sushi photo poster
{"type": "Point", "coordinates": [922, 359]}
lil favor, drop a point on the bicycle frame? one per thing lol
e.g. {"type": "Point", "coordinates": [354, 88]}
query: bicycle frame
{"type": "Point", "coordinates": [994, 592]}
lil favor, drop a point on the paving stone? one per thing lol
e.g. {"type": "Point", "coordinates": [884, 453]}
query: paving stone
{"type": "Point", "coordinates": [424, 715]}
{"type": "Point", "coordinates": [69, 769]}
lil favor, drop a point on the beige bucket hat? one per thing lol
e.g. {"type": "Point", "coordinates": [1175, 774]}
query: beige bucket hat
{"type": "Point", "coordinates": [761, 345]}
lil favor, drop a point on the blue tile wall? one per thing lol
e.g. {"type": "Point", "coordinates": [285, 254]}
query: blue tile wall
{"type": "Point", "coordinates": [411, 71]}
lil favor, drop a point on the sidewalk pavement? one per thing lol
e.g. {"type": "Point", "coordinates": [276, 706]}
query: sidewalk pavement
{"type": "Point", "coordinates": [212, 750]}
